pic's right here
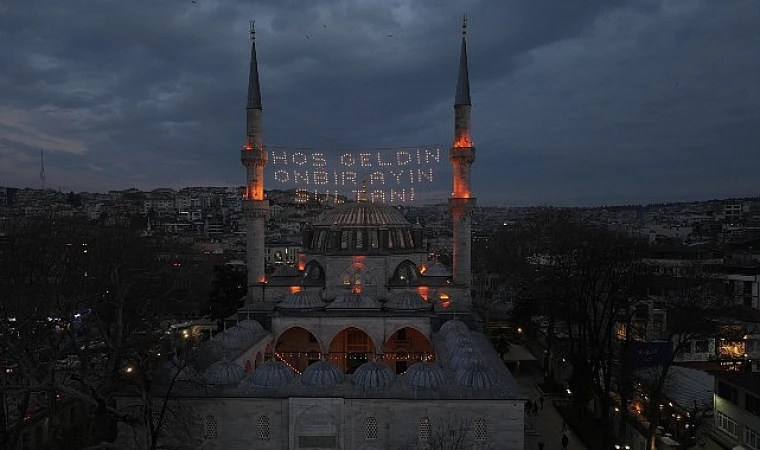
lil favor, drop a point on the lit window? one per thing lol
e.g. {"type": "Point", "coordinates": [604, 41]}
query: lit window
{"type": "Point", "coordinates": [209, 427]}
{"type": "Point", "coordinates": [370, 428]}
{"type": "Point", "coordinates": [263, 428]}
{"type": "Point", "coordinates": [479, 427]}
{"type": "Point", "coordinates": [424, 429]}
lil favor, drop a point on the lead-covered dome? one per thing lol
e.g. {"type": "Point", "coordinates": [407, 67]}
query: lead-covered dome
{"type": "Point", "coordinates": [271, 374]}
{"type": "Point", "coordinates": [224, 372]}
{"type": "Point", "coordinates": [251, 325]}
{"type": "Point", "coordinates": [322, 374]}
{"type": "Point", "coordinates": [423, 375]}
{"type": "Point", "coordinates": [476, 375]}
{"type": "Point", "coordinates": [361, 227]}
{"type": "Point", "coordinates": [302, 300]}
{"type": "Point", "coordinates": [373, 375]}
{"type": "Point", "coordinates": [406, 301]}
{"type": "Point", "coordinates": [354, 301]}
{"type": "Point", "coordinates": [452, 325]}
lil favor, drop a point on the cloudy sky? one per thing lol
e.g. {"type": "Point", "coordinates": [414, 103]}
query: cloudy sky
{"type": "Point", "coordinates": [574, 102]}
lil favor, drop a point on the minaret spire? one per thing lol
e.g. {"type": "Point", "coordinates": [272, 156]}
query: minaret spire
{"type": "Point", "coordinates": [463, 80]}
{"type": "Point", "coordinates": [254, 157]}
{"type": "Point", "coordinates": [461, 157]}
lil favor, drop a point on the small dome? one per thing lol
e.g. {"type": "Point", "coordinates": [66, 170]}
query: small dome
{"type": "Point", "coordinates": [285, 270]}
{"type": "Point", "coordinates": [373, 375]}
{"type": "Point", "coordinates": [462, 356]}
{"type": "Point", "coordinates": [423, 375]}
{"type": "Point", "coordinates": [302, 300]}
{"type": "Point", "coordinates": [251, 325]}
{"type": "Point", "coordinates": [271, 374]}
{"type": "Point", "coordinates": [406, 301]}
{"type": "Point", "coordinates": [230, 340]}
{"type": "Point", "coordinates": [436, 269]}
{"type": "Point", "coordinates": [322, 374]}
{"type": "Point", "coordinates": [453, 324]}
{"type": "Point", "coordinates": [476, 375]}
{"type": "Point", "coordinates": [245, 335]}
{"type": "Point", "coordinates": [353, 300]}
{"type": "Point", "coordinates": [455, 340]}
{"type": "Point", "coordinates": [224, 372]}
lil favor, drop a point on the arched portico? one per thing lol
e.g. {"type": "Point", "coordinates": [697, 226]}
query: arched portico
{"type": "Point", "coordinates": [298, 348]}
{"type": "Point", "coordinates": [405, 346]}
{"type": "Point", "coordinates": [350, 348]}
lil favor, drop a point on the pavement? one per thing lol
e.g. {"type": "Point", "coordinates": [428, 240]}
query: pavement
{"type": "Point", "coordinates": [547, 425]}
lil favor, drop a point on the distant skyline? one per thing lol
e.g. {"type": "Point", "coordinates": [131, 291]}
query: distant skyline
{"type": "Point", "coordinates": [574, 104]}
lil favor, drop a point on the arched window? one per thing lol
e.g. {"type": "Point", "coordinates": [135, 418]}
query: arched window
{"type": "Point", "coordinates": [424, 429]}
{"type": "Point", "coordinates": [370, 428]}
{"type": "Point", "coordinates": [209, 427]}
{"type": "Point", "coordinates": [479, 428]}
{"type": "Point", "coordinates": [263, 428]}
{"type": "Point", "coordinates": [405, 273]}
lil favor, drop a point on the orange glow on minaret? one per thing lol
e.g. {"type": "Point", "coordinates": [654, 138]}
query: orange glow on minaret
{"type": "Point", "coordinates": [461, 157]}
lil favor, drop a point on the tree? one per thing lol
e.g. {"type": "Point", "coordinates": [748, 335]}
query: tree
{"type": "Point", "coordinates": [84, 300]}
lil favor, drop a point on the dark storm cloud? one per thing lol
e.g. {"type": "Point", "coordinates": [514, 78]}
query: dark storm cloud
{"type": "Point", "coordinates": [574, 102]}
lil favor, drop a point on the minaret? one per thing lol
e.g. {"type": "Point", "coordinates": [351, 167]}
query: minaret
{"type": "Point", "coordinates": [255, 206]}
{"type": "Point", "coordinates": [461, 156]}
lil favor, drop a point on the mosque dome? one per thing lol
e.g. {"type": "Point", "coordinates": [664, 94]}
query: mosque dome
{"type": "Point", "coordinates": [245, 336]}
{"type": "Point", "coordinates": [452, 325]}
{"type": "Point", "coordinates": [423, 375]}
{"type": "Point", "coordinates": [475, 375]}
{"type": "Point", "coordinates": [322, 374]}
{"type": "Point", "coordinates": [354, 300]}
{"type": "Point", "coordinates": [362, 226]}
{"type": "Point", "coordinates": [224, 372]}
{"type": "Point", "coordinates": [436, 269]}
{"type": "Point", "coordinates": [251, 325]}
{"type": "Point", "coordinates": [455, 340]}
{"type": "Point", "coordinates": [406, 301]}
{"type": "Point", "coordinates": [302, 300]}
{"type": "Point", "coordinates": [462, 356]}
{"type": "Point", "coordinates": [271, 374]}
{"type": "Point", "coordinates": [231, 340]}
{"type": "Point", "coordinates": [373, 375]}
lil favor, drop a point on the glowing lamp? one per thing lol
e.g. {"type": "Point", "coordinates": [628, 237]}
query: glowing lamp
{"type": "Point", "coordinates": [444, 300]}
{"type": "Point", "coordinates": [295, 289]}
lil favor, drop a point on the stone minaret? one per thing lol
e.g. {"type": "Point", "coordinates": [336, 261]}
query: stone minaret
{"type": "Point", "coordinates": [461, 156]}
{"type": "Point", "coordinates": [255, 206]}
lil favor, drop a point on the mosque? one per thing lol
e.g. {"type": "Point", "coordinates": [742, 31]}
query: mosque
{"type": "Point", "coordinates": [366, 344]}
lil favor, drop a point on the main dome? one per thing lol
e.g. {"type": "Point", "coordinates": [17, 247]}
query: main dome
{"type": "Point", "coordinates": [362, 214]}
{"type": "Point", "coordinates": [361, 227]}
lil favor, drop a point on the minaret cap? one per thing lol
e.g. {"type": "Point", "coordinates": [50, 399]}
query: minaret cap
{"type": "Point", "coordinates": [254, 93]}
{"type": "Point", "coordinates": [463, 81]}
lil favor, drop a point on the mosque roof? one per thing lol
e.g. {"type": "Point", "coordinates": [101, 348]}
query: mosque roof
{"type": "Point", "coordinates": [373, 375]}
{"type": "Point", "coordinates": [475, 375]}
{"type": "Point", "coordinates": [354, 300]}
{"type": "Point", "coordinates": [453, 324]}
{"type": "Point", "coordinates": [322, 374]}
{"type": "Point", "coordinates": [302, 300]}
{"type": "Point", "coordinates": [224, 372]}
{"type": "Point", "coordinates": [406, 301]}
{"type": "Point", "coordinates": [178, 371]}
{"type": "Point", "coordinates": [271, 374]}
{"type": "Point", "coordinates": [362, 214]}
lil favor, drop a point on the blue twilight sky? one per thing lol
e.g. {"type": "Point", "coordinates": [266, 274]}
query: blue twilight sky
{"type": "Point", "coordinates": [574, 102]}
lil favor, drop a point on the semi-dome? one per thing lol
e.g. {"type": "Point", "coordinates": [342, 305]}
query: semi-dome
{"type": "Point", "coordinates": [322, 374]}
{"type": "Point", "coordinates": [373, 375]}
{"type": "Point", "coordinates": [406, 301]}
{"type": "Point", "coordinates": [458, 339]}
{"type": "Point", "coordinates": [475, 375]}
{"type": "Point", "coordinates": [354, 300]}
{"type": "Point", "coordinates": [302, 300]}
{"type": "Point", "coordinates": [271, 374]}
{"type": "Point", "coordinates": [423, 375]}
{"type": "Point", "coordinates": [224, 372]}
{"type": "Point", "coordinates": [453, 324]}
